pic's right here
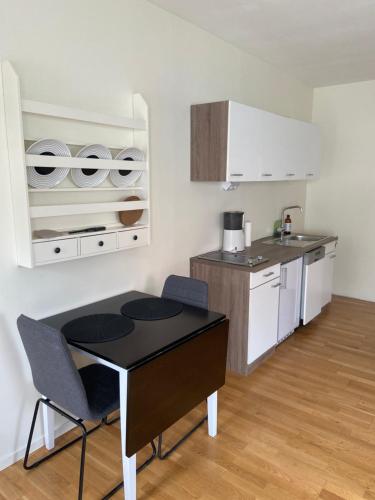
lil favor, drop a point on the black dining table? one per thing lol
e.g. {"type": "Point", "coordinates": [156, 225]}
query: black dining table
{"type": "Point", "coordinates": [166, 367]}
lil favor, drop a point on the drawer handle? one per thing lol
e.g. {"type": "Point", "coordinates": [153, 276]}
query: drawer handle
{"type": "Point", "coordinates": [290, 175]}
{"type": "Point", "coordinates": [236, 175]}
{"type": "Point", "coordinates": [57, 250]}
{"type": "Point", "coordinates": [275, 286]}
{"type": "Point", "coordinates": [333, 256]}
{"type": "Point", "coordinates": [268, 274]}
{"type": "Point", "coordinates": [101, 243]}
{"type": "Point", "coordinates": [266, 175]}
{"type": "Point", "coordinates": [135, 237]}
{"type": "Point", "coordinates": [310, 175]}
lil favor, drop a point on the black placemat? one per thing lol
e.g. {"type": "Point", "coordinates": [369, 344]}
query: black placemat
{"type": "Point", "coordinates": [97, 328]}
{"type": "Point", "coordinates": [151, 309]}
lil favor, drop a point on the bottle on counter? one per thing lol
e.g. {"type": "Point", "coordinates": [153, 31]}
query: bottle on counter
{"type": "Point", "coordinates": [287, 225]}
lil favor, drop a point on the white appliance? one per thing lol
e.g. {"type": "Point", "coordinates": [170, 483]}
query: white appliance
{"type": "Point", "coordinates": [312, 284]}
{"type": "Point", "coordinates": [234, 235]}
{"type": "Point", "coordinates": [290, 298]}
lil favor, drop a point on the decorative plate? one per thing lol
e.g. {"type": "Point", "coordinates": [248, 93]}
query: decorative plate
{"type": "Point", "coordinates": [124, 178]}
{"type": "Point", "coordinates": [91, 177]}
{"type": "Point", "coordinates": [47, 177]}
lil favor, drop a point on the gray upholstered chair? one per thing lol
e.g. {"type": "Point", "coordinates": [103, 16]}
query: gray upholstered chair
{"type": "Point", "coordinates": [189, 291]}
{"type": "Point", "coordinates": [192, 292]}
{"type": "Point", "coordinates": [90, 393]}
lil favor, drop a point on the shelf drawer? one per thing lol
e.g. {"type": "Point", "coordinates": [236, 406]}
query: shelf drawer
{"type": "Point", "coordinates": [50, 251]}
{"type": "Point", "coordinates": [268, 274]}
{"type": "Point", "coordinates": [133, 238]}
{"type": "Point", "coordinates": [98, 243]}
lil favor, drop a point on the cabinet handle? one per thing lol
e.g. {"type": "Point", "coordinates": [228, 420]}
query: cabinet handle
{"type": "Point", "coordinates": [310, 175]}
{"type": "Point", "coordinates": [101, 243]}
{"type": "Point", "coordinates": [135, 237]}
{"type": "Point", "coordinates": [290, 175]}
{"type": "Point", "coordinates": [57, 250]}
{"type": "Point", "coordinates": [266, 175]}
{"type": "Point", "coordinates": [275, 286]}
{"type": "Point", "coordinates": [236, 175]}
{"type": "Point", "coordinates": [268, 274]}
{"type": "Point", "coordinates": [333, 256]}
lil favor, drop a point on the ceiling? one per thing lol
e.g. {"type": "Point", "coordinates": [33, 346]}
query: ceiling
{"type": "Point", "coordinates": [321, 42]}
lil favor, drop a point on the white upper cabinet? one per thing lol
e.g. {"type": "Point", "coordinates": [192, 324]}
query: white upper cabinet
{"type": "Point", "coordinates": [238, 143]}
{"type": "Point", "coordinates": [244, 143]}
{"type": "Point", "coordinates": [290, 149]}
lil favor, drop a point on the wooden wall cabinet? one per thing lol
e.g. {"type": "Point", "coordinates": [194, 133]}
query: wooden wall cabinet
{"type": "Point", "coordinates": [232, 142]}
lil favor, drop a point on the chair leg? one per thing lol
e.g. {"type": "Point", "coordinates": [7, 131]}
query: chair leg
{"type": "Point", "coordinates": [83, 437]}
{"type": "Point", "coordinates": [25, 460]}
{"type": "Point", "coordinates": [83, 458]}
{"type": "Point", "coordinates": [163, 456]}
{"type": "Point", "coordinates": [139, 469]}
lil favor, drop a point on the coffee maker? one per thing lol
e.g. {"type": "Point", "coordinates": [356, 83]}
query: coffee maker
{"type": "Point", "coordinates": [234, 236]}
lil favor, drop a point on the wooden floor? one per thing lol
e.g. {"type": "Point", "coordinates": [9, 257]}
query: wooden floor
{"type": "Point", "coordinates": [302, 426]}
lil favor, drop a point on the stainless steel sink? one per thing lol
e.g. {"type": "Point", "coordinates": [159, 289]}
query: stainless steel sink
{"type": "Point", "coordinates": [296, 240]}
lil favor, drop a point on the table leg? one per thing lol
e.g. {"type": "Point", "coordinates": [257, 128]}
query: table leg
{"type": "Point", "coordinates": [49, 427]}
{"type": "Point", "coordinates": [129, 465]}
{"type": "Point", "coordinates": [212, 414]}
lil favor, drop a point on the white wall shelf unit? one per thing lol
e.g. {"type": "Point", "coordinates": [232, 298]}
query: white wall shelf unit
{"type": "Point", "coordinates": [42, 211]}
{"type": "Point", "coordinates": [85, 190]}
{"type": "Point", "coordinates": [89, 163]}
{"type": "Point", "coordinates": [68, 207]}
{"type": "Point", "coordinates": [45, 109]}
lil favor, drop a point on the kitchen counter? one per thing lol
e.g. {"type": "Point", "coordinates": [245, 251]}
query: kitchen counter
{"type": "Point", "coordinates": [277, 254]}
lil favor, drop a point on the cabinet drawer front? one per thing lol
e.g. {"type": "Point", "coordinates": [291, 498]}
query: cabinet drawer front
{"type": "Point", "coordinates": [99, 243]}
{"type": "Point", "coordinates": [330, 247]}
{"type": "Point", "coordinates": [133, 238]}
{"type": "Point", "coordinates": [265, 275]}
{"type": "Point", "coordinates": [49, 251]}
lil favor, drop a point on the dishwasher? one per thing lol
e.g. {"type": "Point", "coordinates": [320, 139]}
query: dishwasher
{"type": "Point", "coordinates": [312, 284]}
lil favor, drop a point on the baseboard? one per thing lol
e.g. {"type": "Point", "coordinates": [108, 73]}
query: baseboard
{"type": "Point", "coordinates": [12, 458]}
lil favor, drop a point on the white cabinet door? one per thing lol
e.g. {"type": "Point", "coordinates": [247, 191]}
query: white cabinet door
{"type": "Point", "coordinates": [263, 319]}
{"type": "Point", "coordinates": [290, 298]}
{"type": "Point", "coordinates": [275, 147]}
{"type": "Point", "coordinates": [312, 290]}
{"type": "Point", "coordinates": [329, 260]}
{"type": "Point", "coordinates": [290, 149]}
{"type": "Point", "coordinates": [244, 132]}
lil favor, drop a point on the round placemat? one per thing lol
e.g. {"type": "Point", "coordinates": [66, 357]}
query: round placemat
{"type": "Point", "coordinates": [151, 309]}
{"type": "Point", "coordinates": [98, 328]}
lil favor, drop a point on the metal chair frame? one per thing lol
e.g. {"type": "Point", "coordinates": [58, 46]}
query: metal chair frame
{"type": "Point", "coordinates": [79, 423]}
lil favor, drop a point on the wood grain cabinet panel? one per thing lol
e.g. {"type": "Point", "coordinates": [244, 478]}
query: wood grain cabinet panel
{"type": "Point", "coordinates": [234, 142]}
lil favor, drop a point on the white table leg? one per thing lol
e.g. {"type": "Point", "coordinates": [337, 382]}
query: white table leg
{"type": "Point", "coordinates": [129, 466]}
{"type": "Point", "coordinates": [212, 414]}
{"type": "Point", "coordinates": [49, 427]}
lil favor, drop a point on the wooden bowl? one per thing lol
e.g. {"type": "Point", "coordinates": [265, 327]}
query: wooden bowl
{"type": "Point", "coordinates": [130, 217]}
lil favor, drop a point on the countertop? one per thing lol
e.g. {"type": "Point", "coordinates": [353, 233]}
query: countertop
{"type": "Point", "coordinates": [276, 254]}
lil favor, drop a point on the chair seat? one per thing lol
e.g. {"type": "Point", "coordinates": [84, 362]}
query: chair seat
{"type": "Point", "coordinates": [102, 388]}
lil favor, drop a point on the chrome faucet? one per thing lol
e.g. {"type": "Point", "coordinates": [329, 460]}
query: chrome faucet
{"type": "Point", "coordinates": [282, 227]}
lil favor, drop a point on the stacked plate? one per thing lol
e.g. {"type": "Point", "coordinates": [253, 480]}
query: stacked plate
{"type": "Point", "coordinates": [47, 177]}
{"type": "Point", "coordinates": [123, 177]}
{"type": "Point", "coordinates": [91, 177]}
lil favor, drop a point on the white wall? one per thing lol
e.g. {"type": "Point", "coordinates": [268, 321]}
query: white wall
{"type": "Point", "coordinates": [93, 54]}
{"type": "Point", "coordinates": [342, 201]}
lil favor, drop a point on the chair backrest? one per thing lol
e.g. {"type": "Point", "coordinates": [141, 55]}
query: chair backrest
{"type": "Point", "coordinates": [189, 291]}
{"type": "Point", "coordinates": [54, 373]}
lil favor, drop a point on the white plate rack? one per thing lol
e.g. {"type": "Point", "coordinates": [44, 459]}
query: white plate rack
{"type": "Point", "coordinates": [66, 206]}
